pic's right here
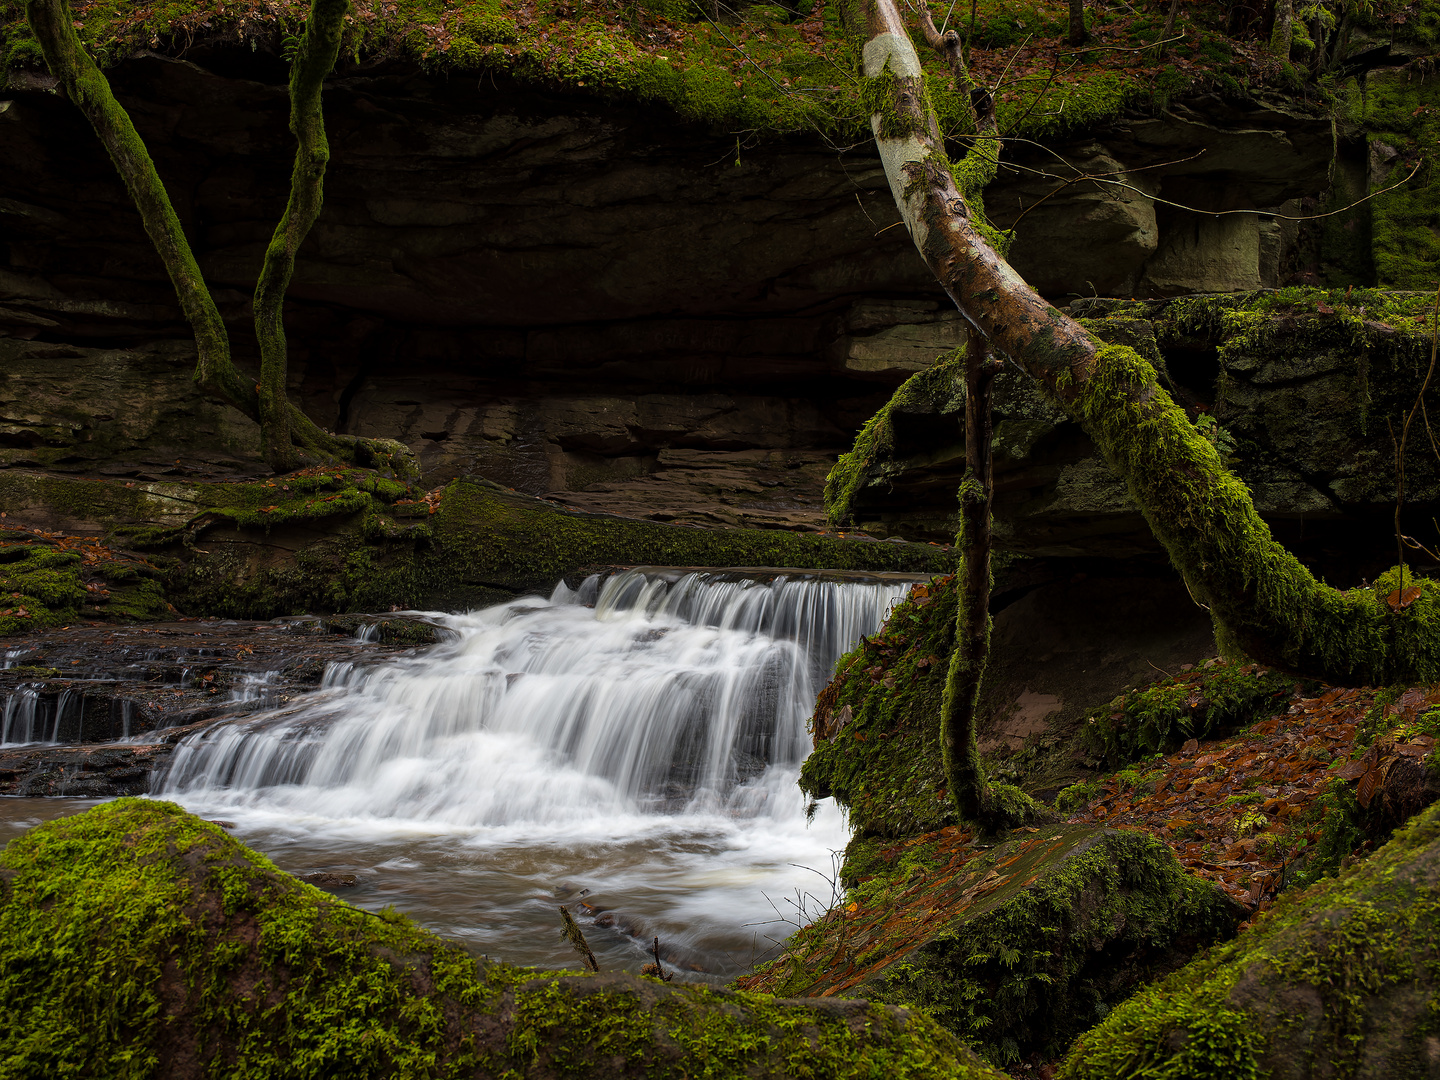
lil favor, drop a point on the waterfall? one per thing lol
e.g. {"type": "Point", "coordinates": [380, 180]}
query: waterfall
{"type": "Point", "coordinates": [650, 692]}
{"type": "Point", "coordinates": [19, 724]}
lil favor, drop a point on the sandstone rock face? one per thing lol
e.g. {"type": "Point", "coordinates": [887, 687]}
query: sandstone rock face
{"type": "Point", "coordinates": [564, 294]}
{"type": "Point", "coordinates": [1299, 398]}
{"type": "Point", "coordinates": [1104, 236]}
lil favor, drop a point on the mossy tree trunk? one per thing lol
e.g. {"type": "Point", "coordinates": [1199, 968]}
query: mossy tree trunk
{"type": "Point", "coordinates": [1283, 31]}
{"type": "Point", "coordinates": [1264, 603]}
{"type": "Point", "coordinates": [283, 426]}
{"type": "Point", "coordinates": [314, 60]}
{"type": "Point", "coordinates": [1077, 34]}
{"type": "Point", "coordinates": [963, 774]}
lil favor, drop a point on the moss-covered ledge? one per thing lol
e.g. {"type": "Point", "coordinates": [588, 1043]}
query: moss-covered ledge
{"type": "Point", "coordinates": [346, 540]}
{"type": "Point", "coordinates": [1339, 980]}
{"type": "Point", "coordinates": [137, 940]}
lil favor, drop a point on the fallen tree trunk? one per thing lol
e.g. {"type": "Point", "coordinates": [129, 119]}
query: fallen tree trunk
{"type": "Point", "coordinates": [1264, 603]}
{"type": "Point", "coordinates": [138, 940]}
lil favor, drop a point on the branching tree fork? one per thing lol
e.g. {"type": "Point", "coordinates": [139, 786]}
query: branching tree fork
{"type": "Point", "coordinates": [288, 435]}
{"type": "Point", "coordinates": [1264, 603]}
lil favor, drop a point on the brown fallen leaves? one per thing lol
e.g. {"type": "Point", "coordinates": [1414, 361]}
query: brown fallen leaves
{"type": "Point", "coordinates": [1235, 811]}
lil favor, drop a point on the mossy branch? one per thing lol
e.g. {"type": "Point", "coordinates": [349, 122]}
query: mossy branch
{"type": "Point", "coordinates": [314, 60]}
{"type": "Point", "coordinates": [1264, 603]}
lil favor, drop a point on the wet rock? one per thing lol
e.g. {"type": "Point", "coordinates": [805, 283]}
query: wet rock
{"type": "Point", "coordinates": [325, 879]}
{"type": "Point", "coordinates": [94, 772]}
{"type": "Point", "coordinates": [89, 684]}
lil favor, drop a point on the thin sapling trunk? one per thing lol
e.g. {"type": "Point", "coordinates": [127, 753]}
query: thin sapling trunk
{"type": "Point", "coordinates": [963, 773]}
{"type": "Point", "coordinates": [314, 60]}
{"type": "Point", "coordinates": [1077, 34]}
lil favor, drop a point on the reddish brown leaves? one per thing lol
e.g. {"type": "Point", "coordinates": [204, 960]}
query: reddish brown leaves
{"type": "Point", "coordinates": [1403, 598]}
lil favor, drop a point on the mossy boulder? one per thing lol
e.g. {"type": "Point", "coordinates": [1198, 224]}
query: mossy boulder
{"type": "Point", "coordinates": [137, 940]}
{"type": "Point", "coordinates": [876, 724]}
{"type": "Point", "coordinates": [1339, 980]}
{"type": "Point", "coordinates": [1016, 949]}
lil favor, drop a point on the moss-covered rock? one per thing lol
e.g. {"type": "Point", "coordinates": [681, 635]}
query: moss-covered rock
{"type": "Point", "coordinates": [876, 725]}
{"type": "Point", "coordinates": [345, 540]}
{"type": "Point", "coordinates": [1339, 980]}
{"type": "Point", "coordinates": [137, 940]}
{"type": "Point", "coordinates": [1213, 700]}
{"type": "Point", "coordinates": [1292, 386]}
{"type": "Point", "coordinates": [1015, 949]}
{"type": "Point", "coordinates": [48, 581]}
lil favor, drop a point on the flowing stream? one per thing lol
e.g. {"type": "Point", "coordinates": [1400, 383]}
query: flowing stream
{"type": "Point", "coordinates": [632, 745]}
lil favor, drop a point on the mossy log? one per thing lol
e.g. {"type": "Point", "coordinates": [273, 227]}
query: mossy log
{"type": "Point", "coordinates": [137, 940]}
{"type": "Point", "coordinates": [1019, 948]}
{"type": "Point", "coordinates": [1339, 980]}
{"type": "Point", "coordinates": [1264, 602]}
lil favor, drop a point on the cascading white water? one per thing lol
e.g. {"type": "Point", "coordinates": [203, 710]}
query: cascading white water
{"type": "Point", "coordinates": [672, 711]}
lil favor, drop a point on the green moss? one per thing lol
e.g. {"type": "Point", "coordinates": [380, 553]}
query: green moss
{"type": "Point", "coordinates": [1343, 971]}
{"type": "Point", "coordinates": [769, 70]}
{"type": "Point", "coordinates": [1021, 979]}
{"type": "Point", "coordinates": [939, 388]}
{"type": "Point", "coordinates": [43, 586]}
{"type": "Point", "coordinates": [1207, 703]}
{"type": "Point", "coordinates": [884, 764]}
{"type": "Point", "coordinates": [1037, 937]}
{"type": "Point", "coordinates": [328, 540]}
{"type": "Point", "coordinates": [137, 940]}
{"type": "Point", "coordinates": [1264, 603]}
{"type": "Point", "coordinates": [1402, 113]}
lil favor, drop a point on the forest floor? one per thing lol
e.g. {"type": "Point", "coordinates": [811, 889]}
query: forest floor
{"type": "Point", "coordinates": [1253, 813]}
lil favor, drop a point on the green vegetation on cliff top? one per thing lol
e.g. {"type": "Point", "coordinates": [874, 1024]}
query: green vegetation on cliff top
{"type": "Point", "coordinates": [772, 69]}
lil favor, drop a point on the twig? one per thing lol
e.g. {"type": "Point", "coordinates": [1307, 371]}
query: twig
{"type": "Point", "coordinates": [1101, 178]}
{"type": "Point", "coordinates": [1405, 434]}
{"type": "Point", "coordinates": [657, 969]}
{"type": "Point", "coordinates": [571, 933]}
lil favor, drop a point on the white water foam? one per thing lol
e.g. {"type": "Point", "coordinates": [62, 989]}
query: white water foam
{"type": "Point", "coordinates": [645, 748]}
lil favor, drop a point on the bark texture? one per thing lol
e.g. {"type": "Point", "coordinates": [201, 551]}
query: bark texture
{"type": "Point", "coordinates": [85, 84]}
{"type": "Point", "coordinates": [1282, 34]}
{"type": "Point", "coordinates": [1077, 34]}
{"type": "Point", "coordinates": [1264, 603]}
{"type": "Point", "coordinates": [963, 772]}
{"type": "Point", "coordinates": [314, 60]}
